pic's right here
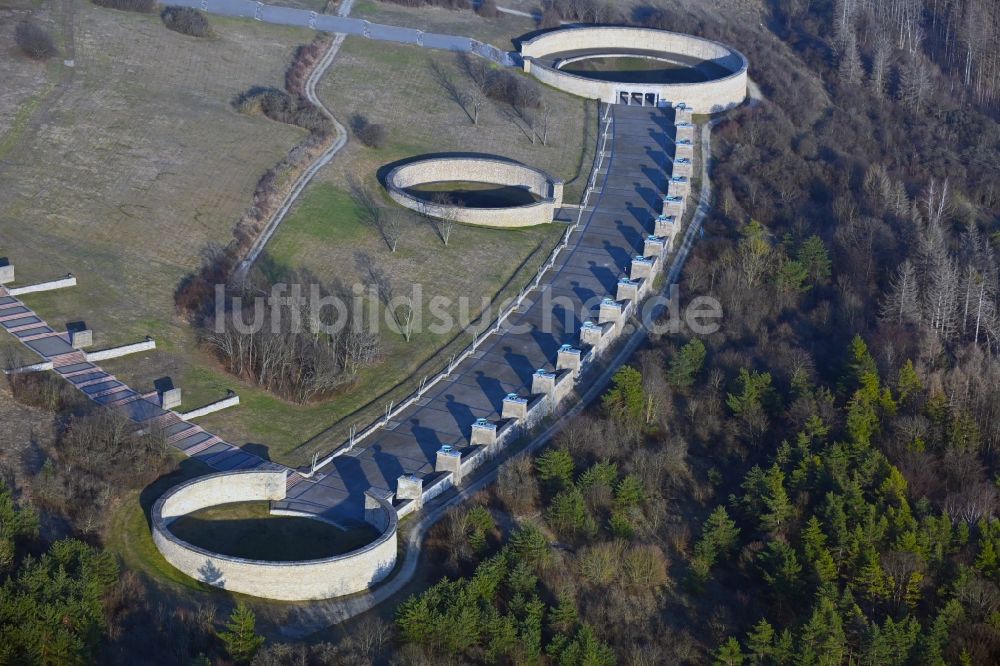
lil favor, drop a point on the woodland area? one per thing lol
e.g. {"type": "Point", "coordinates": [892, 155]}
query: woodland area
{"type": "Point", "coordinates": [816, 483]}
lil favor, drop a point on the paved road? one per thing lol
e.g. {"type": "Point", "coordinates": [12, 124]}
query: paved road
{"type": "Point", "coordinates": [299, 187]}
{"type": "Point", "coordinates": [349, 26]}
{"type": "Point", "coordinates": [600, 251]}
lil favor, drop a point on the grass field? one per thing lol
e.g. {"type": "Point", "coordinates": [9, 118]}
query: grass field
{"type": "Point", "coordinates": [397, 87]}
{"type": "Point", "coordinates": [141, 162]}
{"type": "Point", "coordinates": [137, 165]}
{"type": "Point", "coordinates": [497, 31]}
{"type": "Point", "coordinates": [247, 529]}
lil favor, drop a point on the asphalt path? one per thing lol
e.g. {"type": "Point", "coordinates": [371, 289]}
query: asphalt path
{"type": "Point", "coordinates": [304, 18]}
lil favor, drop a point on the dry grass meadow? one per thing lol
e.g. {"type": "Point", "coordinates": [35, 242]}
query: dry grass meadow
{"type": "Point", "coordinates": [126, 171]}
{"type": "Point", "coordinates": [397, 86]}
{"type": "Point", "coordinates": [122, 172]}
{"type": "Point", "coordinates": [497, 31]}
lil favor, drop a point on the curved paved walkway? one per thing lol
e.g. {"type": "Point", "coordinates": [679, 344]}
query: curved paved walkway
{"type": "Point", "coordinates": [300, 185]}
{"type": "Point", "coordinates": [307, 619]}
{"type": "Point", "coordinates": [304, 18]}
{"type": "Point", "coordinates": [628, 197]}
{"type": "Point", "coordinates": [629, 192]}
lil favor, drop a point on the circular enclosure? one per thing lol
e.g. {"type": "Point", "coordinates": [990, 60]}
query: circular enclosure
{"type": "Point", "coordinates": [484, 190]}
{"type": "Point", "coordinates": [288, 580]}
{"type": "Point", "coordinates": [638, 66]}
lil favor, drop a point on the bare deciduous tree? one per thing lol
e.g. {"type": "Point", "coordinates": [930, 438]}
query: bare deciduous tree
{"type": "Point", "coordinates": [389, 223]}
{"type": "Point", "coordinates": [902, 303]}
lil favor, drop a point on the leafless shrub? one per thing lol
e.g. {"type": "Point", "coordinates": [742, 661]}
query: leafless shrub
{"type": "Point", "coordinates": [517, 487]}
{"type": "Point", "coordinates": [44, 390]}
{"type": "Point", "coordinates": [370, 134]}
{"type": "Point", "coordinates": [33, 40]}
{"type": "Point", "coordinates": [96, 458]}
{"type": "Point", "coordinates": [186, 20]}
{"type": "Point", "coordinates": [447, 4]}
{"type": "Point", "coordinates": [140, 6]}
{"type": "Point", "coordinates": [287, 355]}
{"type": "Point", "coordinates": [488, 9]}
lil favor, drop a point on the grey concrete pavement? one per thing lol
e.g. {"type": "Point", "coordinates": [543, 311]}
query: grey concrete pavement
{"type": "Point", "coordinates": [350, 26]}
{"type": "Point", "coordinates": [600, 251]}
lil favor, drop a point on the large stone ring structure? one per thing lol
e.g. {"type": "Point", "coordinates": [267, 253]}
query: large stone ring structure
{"type": "Point", "coordinates": [301, 580]}
{"type": "Point", "coordinates": [712, 77]}
{"type": "Point", "coordinates": [486, 169]}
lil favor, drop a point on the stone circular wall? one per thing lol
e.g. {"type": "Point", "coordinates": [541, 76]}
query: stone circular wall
{"type": "Point", "coordinates": [350, 572]}
{"type": "Point", "coordinates": [490, 170]}
{"type": "Point", "coordinates": [716, 94]}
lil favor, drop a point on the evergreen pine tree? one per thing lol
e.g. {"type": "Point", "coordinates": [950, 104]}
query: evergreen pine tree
{"type": "Point", "coordinates": [241, 638]}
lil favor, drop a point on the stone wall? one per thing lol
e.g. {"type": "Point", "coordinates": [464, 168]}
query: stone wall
{"type": "Point", "coordinates": [324, 578]}
{"type": "Point", "coordinates": [704, 97]}
{"type": "Point", "coordinates": [496, 171]}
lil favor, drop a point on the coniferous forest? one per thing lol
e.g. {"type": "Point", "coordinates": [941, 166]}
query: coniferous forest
{"type": "Point", "coordinates": [816, 483]}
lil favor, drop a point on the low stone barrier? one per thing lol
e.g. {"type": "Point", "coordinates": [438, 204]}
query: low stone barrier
{"type": "Point", "coordinates": [51, 285]}
{"type": "Point", "coordinates": [324, 578]}
{"type": "Point", "coordinates": [124, 350]}
{"type": "Point", "coordinates": [703, 97]}
{"type": "Point", "coordinates": [491, 170]}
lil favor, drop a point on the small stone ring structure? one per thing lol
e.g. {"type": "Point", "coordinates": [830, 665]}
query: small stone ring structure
{"type": "Point", "coordinates": [302, 580]}
{"type": "Point", "coordinates": [478, 169]}
{"type": "Point", "coordinates": [721, 70]}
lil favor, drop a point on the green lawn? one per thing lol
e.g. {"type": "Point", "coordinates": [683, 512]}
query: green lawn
{"type": "Point", "coordinates": [153, 164]}
{"type": "Point", "coordinates": [247, 529]}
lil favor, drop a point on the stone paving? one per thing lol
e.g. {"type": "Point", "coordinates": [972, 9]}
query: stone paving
{"type": "Point", "coordinates": [350, 26]}
{"type": "Point", "coordinates": [627, 198]}
{"type": "Point", "coordinates": [106, 390]}
{"type": "Point", "coordinates": [624, 206]}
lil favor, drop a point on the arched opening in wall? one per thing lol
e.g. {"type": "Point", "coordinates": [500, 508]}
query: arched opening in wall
{"type": "Point", "coordinates": [472, 194]}
{"type": "Point", "coordinates": [638, 98]}
{"type": "Point", "coordinates": [248, 530]}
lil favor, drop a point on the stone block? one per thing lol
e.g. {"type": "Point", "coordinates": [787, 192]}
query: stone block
{"type": "Point", "coordinates": [543, 382]}
{"type": "Point", "coordinates": [642, 268]}
{"type": "Point", "coordinates": [666, 226]}
{"type": "Point", "coordinates": [569, 358]}
{"type": "Point", "coordinates": [591, 334]}
{"type": "Point", "coordinates": [654, 246]}
{"type": "Point", "coordinates": [410, 487]}
{"type": "Point", "coordinates": [673, 207]}
{"type": "Point", "coordinates": [628, 290]}
{"type": "Point", "coordinates": [610, 311]}
{"type": "Point", "coordinates": [683, 166]}
{"type": "Point", "coordinates": [678, 186]}
{"type": "Point", "coordinates": [483, 433]}
{"type": "Point", "coordinates": [81, 338]}
{"type": "Point", "coordinates": [684, 131]}
{"type": "Point", "coordinates": [683, 113]}
{"type": "Point", "coordinates": [514, 407]}
{"type": "Point", "coordinates": [449, 460]}
{"type": "Point", "coordinates": [6, 271]}
{"type": "Point", "coordinates": [170, 398]}
{"type": "Point", "coordinates": [684, 148]}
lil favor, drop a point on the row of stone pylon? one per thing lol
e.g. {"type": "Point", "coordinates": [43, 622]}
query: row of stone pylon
{"type": "Point", "coordinates": [548, 388]}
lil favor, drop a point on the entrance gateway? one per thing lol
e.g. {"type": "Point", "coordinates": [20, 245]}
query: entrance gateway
{"type": "Point", "coordinates": [638, 98]}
